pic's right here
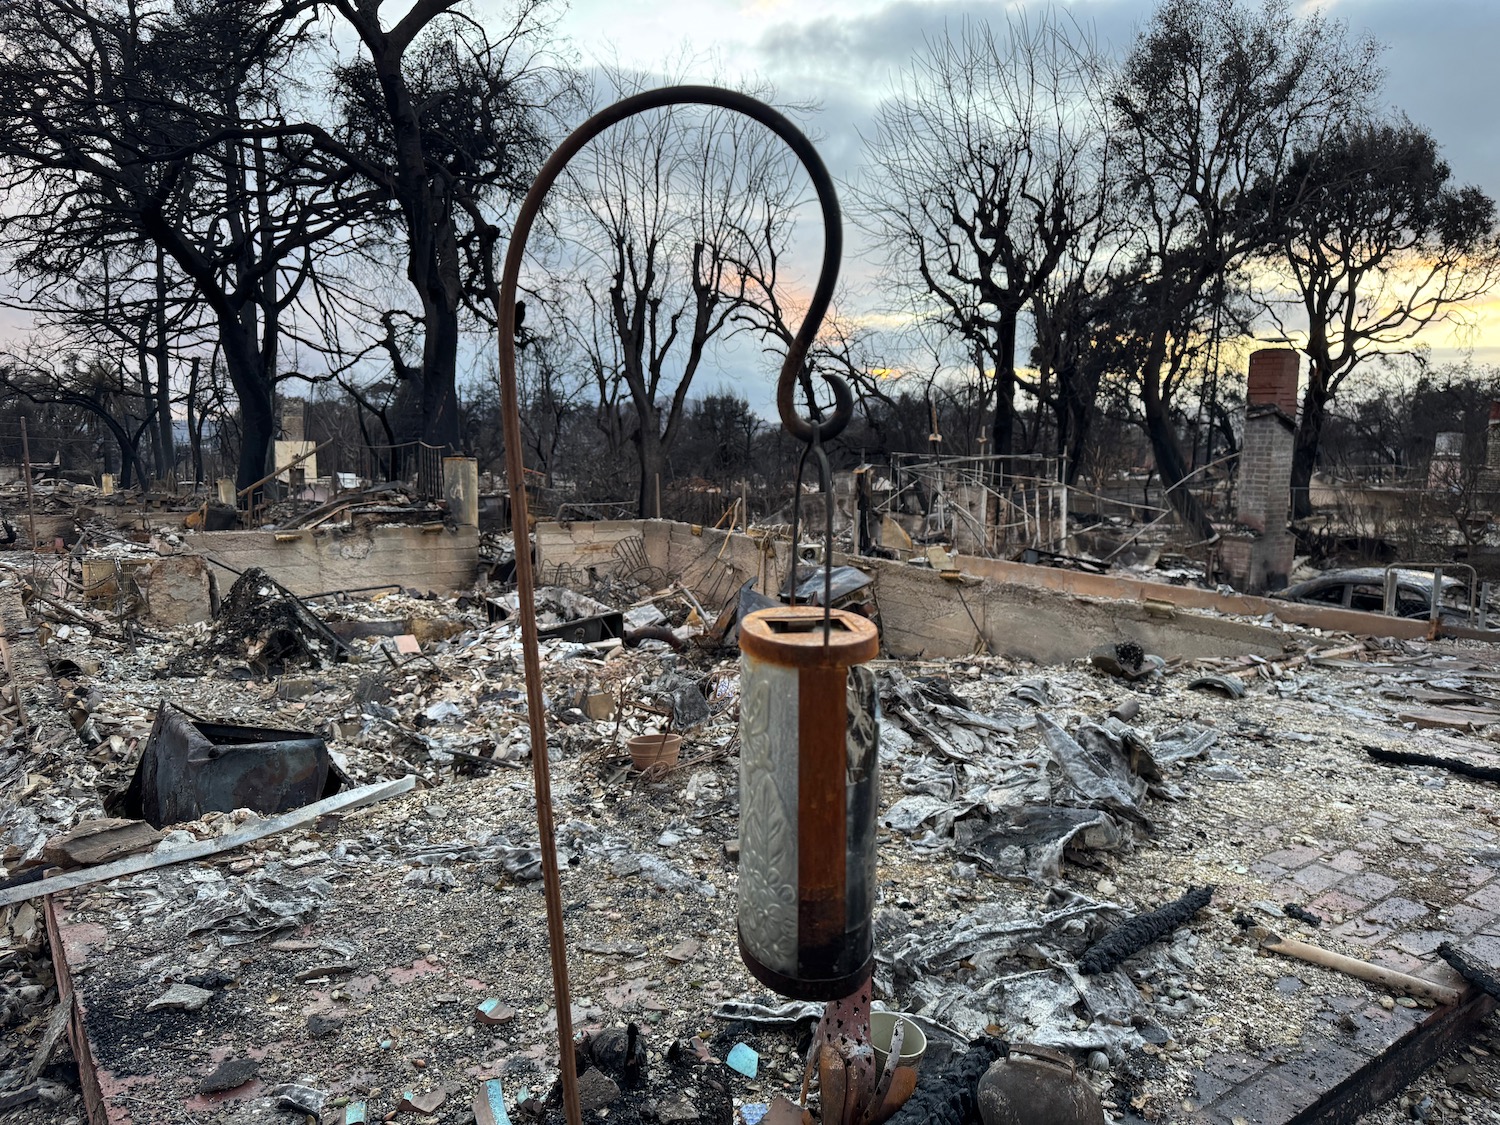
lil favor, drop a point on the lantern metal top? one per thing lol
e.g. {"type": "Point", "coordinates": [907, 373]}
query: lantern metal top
{"type": "Point", "coordinates": [794, 636]}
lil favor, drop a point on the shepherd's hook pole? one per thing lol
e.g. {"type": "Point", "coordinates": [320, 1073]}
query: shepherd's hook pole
{"type": "Point", "coordinates": [515, 469]}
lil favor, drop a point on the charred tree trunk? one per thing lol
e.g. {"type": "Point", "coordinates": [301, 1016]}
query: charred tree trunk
{"type": "Point", "coordinates": [1305, 448]}
{"type": "Point", "coordinates": [653, 462]}
{"type": "Point", "coordinates": [1171, 466]}
{"type": "Point", "coordinates": [167, 456]}
{"type": "Point", "coordinates": [440, 420]}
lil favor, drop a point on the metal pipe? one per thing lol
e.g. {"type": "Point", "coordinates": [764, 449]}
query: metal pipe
{"type": "Point", "coordinates": [806, 431]}
{"type": "Point", "coordinates": [30, 495]}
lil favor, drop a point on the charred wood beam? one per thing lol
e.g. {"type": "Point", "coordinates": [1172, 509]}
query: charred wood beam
{"type": "Point", "coordinates": [1414, 758]}
{"type": "Point", "coordinates": [1131, 937]}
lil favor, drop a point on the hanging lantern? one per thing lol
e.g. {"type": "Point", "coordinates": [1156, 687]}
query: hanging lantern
{"type": "Point", "coordinates": [809, 788]}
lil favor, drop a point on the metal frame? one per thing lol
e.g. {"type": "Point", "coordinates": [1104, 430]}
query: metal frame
{"type": "Point", "coordinates": [1436, 599]}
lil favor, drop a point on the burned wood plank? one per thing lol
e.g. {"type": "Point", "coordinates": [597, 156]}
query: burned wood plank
{"type": "Point", "coordinates": [1389, 1073]}
{"type": "Point", "coordinates": [100, 841]}
{"type": "Point", "coordinates": [1414, 758]}
{"type": "Point", "coordinates": [57, 1027]}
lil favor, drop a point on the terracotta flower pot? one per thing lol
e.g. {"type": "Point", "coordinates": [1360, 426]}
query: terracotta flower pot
{"type": "Point", "coordinates": [654, 750]}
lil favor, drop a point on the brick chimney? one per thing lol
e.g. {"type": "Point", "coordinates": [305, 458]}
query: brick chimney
{"type": "Point", "coordinates": [1273, 380]}
{"type": "Point", "coordinates": [1258, 555]}
{"type": "Point", "coordinates": [1492, 437]}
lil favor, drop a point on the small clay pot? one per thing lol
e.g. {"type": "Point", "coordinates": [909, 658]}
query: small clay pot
{"type": "Point", "coordinates": [649, 751]}
{"type": "Point", "coordinates": [1037, 1086]}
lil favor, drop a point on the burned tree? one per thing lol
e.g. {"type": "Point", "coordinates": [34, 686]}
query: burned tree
{"type": "Point", "coordinates": [1213, 102]}
{"type": "Point", "coordinates": [665, 209]}
{"type": "Point", "coordinates": [158, 130]}
{"type": "Point", "coordinates": [446, 118]}
{"type": "Point", "coordinates": [1380, 245]}
{"type": "Point", "coordinates": [986, 170]}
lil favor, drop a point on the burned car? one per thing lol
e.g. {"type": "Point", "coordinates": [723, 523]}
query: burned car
{"type": "Point", "coordinates": [1364, 588]}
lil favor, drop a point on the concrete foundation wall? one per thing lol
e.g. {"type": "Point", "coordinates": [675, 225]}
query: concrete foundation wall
{"type": "Point", "coordinates": [438, 560]}
{"type": "Point", "coordinates": [175, 589]}
{"type": "Point", "coordinates": [922, 613]}
{"type": "Point", "coordinates": [1111, 587]}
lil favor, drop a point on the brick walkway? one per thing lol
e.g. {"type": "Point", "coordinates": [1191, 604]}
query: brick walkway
{"type": "Point", "coordinates": [1389, 890]}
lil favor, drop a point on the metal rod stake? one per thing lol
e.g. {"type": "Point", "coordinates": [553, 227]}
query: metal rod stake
{"type": "Point", "coordinates": [536, 715]}
{"type": "Point", "coordinates": [803, 430]}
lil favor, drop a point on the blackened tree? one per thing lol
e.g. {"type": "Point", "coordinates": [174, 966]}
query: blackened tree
{"type": "Point", "coordinates": [987, 168]}
{"type": "Point", "coordinates": [447, 117]}
{"type": "Point", "coordinates": [1212, 104]}
{"type": "Point", "coordinates": [1380, 246]}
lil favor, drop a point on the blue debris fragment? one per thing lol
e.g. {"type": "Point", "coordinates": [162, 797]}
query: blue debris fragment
{"type": "Point", "coordinates": [744, 1060]}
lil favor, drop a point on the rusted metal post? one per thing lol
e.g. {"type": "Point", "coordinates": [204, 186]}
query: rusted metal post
{"type": "Point", "coordinates": [536, 713]}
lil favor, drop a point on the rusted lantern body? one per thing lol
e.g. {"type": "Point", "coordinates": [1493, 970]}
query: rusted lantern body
{"type": "Point", "coordinates": [809, 789]}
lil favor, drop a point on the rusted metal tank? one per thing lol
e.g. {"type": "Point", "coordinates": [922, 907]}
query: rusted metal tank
{"type": "Point", "coordinates": [190, 766]}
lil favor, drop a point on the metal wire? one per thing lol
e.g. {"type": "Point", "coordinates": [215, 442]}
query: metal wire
{"type": "Point", "coordinates": [825, 485]}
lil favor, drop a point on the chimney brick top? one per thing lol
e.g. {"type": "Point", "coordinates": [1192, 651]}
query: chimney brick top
{"type": "Point", "coordinates": [1273, 379]}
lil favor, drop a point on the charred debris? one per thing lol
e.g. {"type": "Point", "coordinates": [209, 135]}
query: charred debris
{"type": "Point", "coordinates": [299, 834]}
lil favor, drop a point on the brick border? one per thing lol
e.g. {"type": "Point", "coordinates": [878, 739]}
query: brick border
{"type": "Point", "coordinates": [1398, 1065]}
{"type": "Point", "coordinates": [78, 1035]}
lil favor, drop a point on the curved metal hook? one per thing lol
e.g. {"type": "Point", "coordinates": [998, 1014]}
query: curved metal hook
{"type": "Point", "coordinates": [833, 240]}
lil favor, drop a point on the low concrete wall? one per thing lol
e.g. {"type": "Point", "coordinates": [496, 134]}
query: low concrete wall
{"type": "Point", "coordinates": [925, 614]}
{"type": "Point", "coordinates": [436, 559]}
{"type": "Point", "coordinates": [1016, 612]}
{"type": "Point", "coordinates": [1110, 586]}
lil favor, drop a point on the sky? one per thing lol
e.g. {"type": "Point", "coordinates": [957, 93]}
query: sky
{"type": "Point", "coordinates": [843, 54]}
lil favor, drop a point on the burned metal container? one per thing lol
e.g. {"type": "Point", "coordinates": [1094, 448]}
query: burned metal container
{"type": "Point", "coordinates": [587, 630]}
{"type": "Point", "coordinates": [190, 767]}
{"type": "Point", "coordinates": [809, 787]}
{"type": "Point", "coordinates": [1037, 1086]}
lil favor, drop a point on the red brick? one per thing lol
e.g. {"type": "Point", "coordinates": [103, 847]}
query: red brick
{"type": "Point", "coordinates": [1337, 903]}
{"type": "Point", "coordinates": [1369, 886]}
{"type": "Point", "coordinates": [1298, 855]}
{"type": "Point", "coordinates": [1466, 919]}
{"type": "Point", "coordinates": [1360, 932]}
{"type": "Point", "coordinates": [1396, 909]}
{"type": "Point", "coordinates": [1286, 891]}
{"type": "Point", "coordinates": [1317, 877]}
{"type": "Point", "coordinates": [1486, 898]}
{"type": "Point", "coordinates": [1348, 861]}
{"type": "Point", "coordinates": [1476, 876]}
{"type": "Point", "coordinates": [1420, 943]}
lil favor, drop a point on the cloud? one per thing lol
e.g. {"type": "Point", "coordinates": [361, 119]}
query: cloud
{"type": "Point", "coordinates": [1439, 66]}
{"type": "Point", "coordinates": [865, 48]}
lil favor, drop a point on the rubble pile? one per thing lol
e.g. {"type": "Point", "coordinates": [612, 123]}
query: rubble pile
{"type": "Point", "coordinates": [261, 623]}
{"type": "Point", "coordinates": [395, 955]}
